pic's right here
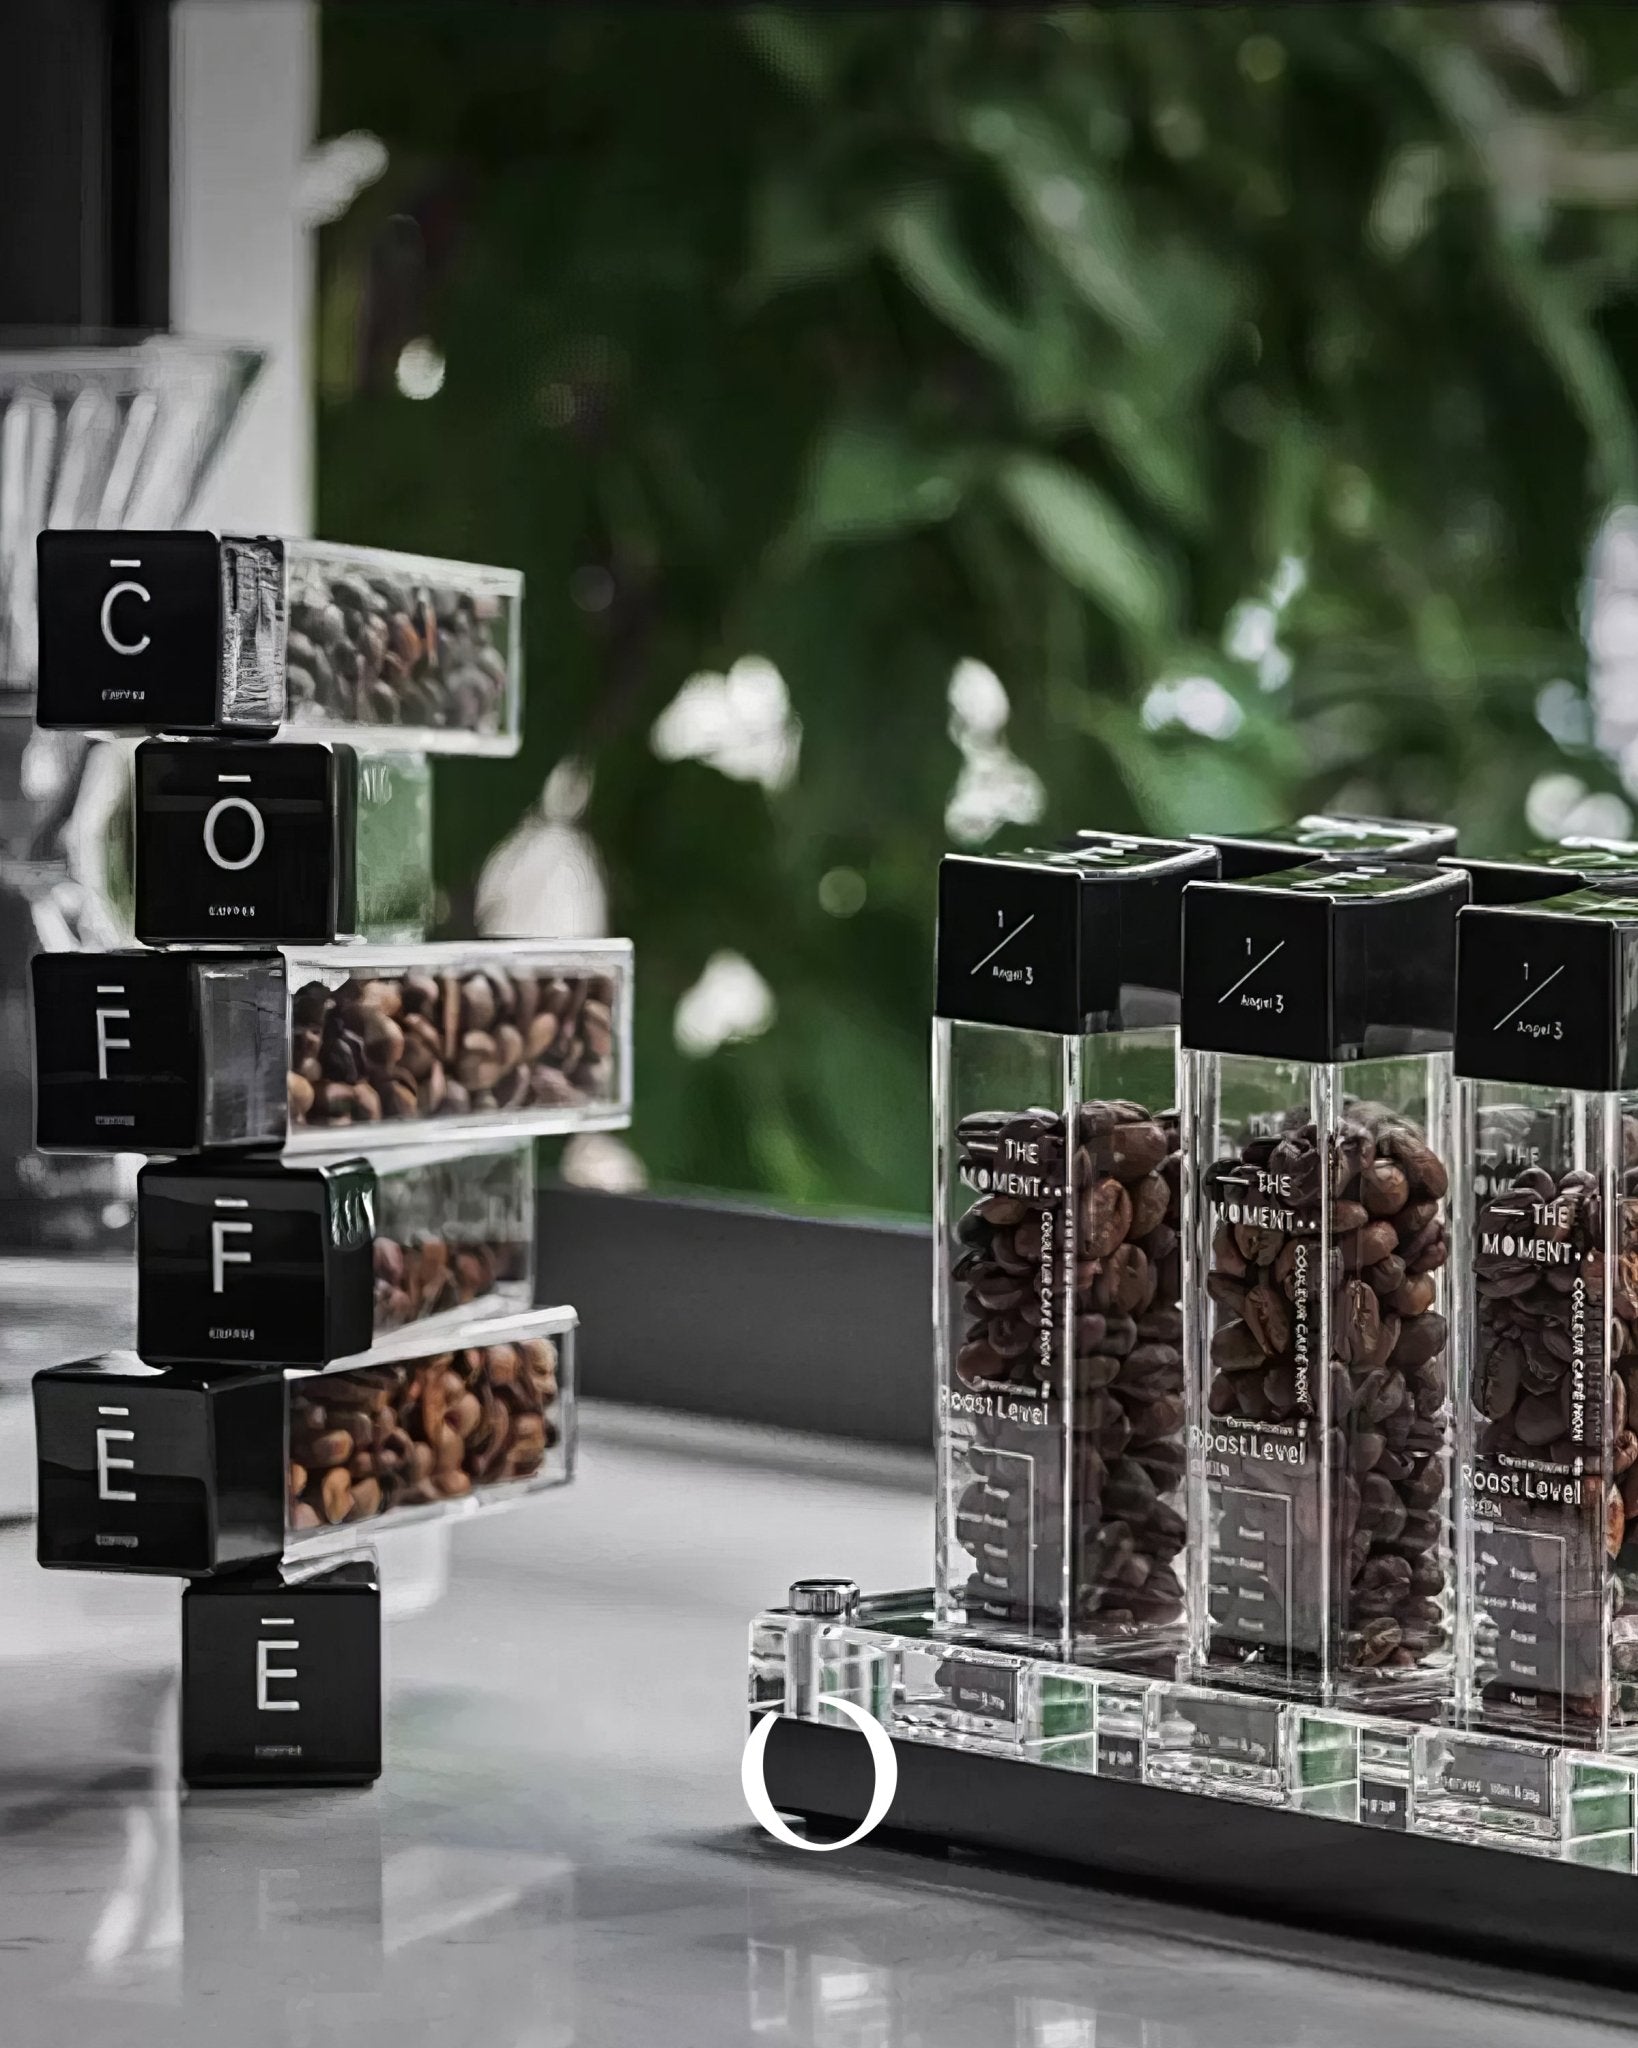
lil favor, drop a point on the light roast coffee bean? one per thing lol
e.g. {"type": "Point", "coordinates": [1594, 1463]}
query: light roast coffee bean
{"type": "Point", "coordinates": [392, 1436]}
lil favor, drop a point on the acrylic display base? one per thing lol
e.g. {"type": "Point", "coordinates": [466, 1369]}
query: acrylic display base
{"type": "Point", "coordinates": [1394, 1832]}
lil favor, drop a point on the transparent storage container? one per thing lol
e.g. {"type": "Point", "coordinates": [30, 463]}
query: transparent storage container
{"type": "Point", "coordinates": [1548, 1272]}
{"type": "Point", "coordinates": [1060, 1424]}
{"type": "Point", "coordinates": [245, 845]}
{"type": "Point", "coordinates": [1320, 1170]}
{"type": "Point", "coordinates": [273, 1263]}
{"type": "Point", "coordinates": [370, 1046]}
{"type": "Point", "coordinates": [516, 1036]}
{"type": "Point", "coordinates": [188, 1472]}
{"type": "Point", "coordinates": [256, 637]}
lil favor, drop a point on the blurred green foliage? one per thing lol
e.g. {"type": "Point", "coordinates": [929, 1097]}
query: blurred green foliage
{"type": "Point", "coordinates": [1285, 347]}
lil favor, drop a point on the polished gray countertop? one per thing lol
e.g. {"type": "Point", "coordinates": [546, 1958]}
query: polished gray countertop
{"type": "Point", "coordinates": [559, 1852]}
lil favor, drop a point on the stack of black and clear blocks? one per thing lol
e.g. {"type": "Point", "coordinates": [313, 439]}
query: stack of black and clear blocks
{"type": "Point", "coordinates": [262, 1276]}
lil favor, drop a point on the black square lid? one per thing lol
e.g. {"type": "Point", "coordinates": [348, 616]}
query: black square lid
{"type": "Point", "coordinates": [1547, 993]}
{"type": "Point", "coordinates": [255, 1262]}
{"type": "Point", "coordinates": [1328, 836]}
{"type": "Point", "coordinates": [1084, 938]}
{"type": "Point", "coordinates": [1322, 963]}
{"type": "Point", "coordinates": [238, 840]}
{"type": "Point", "coordinates": [1578, 861]}
{"type": "Point", "coordinates": [130, 629]}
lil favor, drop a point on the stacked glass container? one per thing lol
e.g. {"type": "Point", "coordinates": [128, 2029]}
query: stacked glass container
{"type": "Point", "coordinates": [336, 1227]}
{"type": "Point", "coordinates": [1318, 1018]}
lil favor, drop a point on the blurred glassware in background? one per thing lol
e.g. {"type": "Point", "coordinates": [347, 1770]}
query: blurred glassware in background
{"type": "Point", "coordinates": [98, 432]}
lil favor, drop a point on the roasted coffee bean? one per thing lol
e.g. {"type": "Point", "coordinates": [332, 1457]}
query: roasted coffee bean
{"type": "Point", "coordinates": [1236, 1349]}
{"type": "Point", "coordinates": [1345, 1239]}
{"type": "Point", "coordinates": [1257, 1245]}
{"type": "Point", "coordinates": [1115, 1223]}
{"type": "Point", "coordinates": [1415, 1296]}
{"type": "Point", "coordinates": [1424, 1169]}
{"type": "Point", "coordinates": [1228, 1292]}
{"type": "Point", "coordinates": [397, 1047]}
{"type": "Point", "coordinates": [1296, 1162]}
{"type": "Point", "coordinates": [1152, 1201]}
{"type": "Point", "coordinates": [1383, 1188]}
{"type": "Point", "coordinates": [1268, 1318]}
{"type": "Point", "coordinates": [1387, 1277]}
{"type": "Point", "coordinates": [1358, 1323]}
{"type": "Point", "coordinates": [1106, 1218]}
{"type": "Point", "coordinates": [1364, 1247]}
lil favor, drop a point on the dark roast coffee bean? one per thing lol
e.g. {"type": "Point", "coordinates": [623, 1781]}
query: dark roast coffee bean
{"type": "Point", "coordinates": [1383, 1187]}
{"type": "Point", "coordinates": [1268, 1319]}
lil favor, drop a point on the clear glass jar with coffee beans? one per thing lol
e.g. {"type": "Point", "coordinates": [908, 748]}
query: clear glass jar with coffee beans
{"type": "Point", "coordinates": [256, 637]}
{"type": "Point", "coordinates": [1060, 1385]}
{"type": "Point", "coordinates": [1547, 1265]}
{"type": "Point", "coordinates": [333, 1049]}
{"type": "Point", "coordinates": [203, 1469]}
{"type": "Point", "coordinates": [514, 1035]}
{"type": "Point", "coordinates": [1317, 1293]}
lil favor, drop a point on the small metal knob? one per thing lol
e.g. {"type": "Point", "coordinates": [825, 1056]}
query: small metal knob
{"type": "Point", "coordinates": [825, 1599]}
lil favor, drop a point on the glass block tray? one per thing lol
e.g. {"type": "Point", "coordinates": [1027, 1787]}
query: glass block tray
{"type": "Point", "coordinates": [1149, 1727]}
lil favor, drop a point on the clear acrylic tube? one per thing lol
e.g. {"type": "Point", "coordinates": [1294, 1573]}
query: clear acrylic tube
{"type": "Point", "coordinates": [194, 1471]}
{"type": "Point", "coordinates": [454, 1235]}
{"type": "Point", "coordinates": [368, 1046]}
{"type": "Point", "coordinates": [275, 1264]}
{"type": "Point", "coordinates": [1059, 1338]}
{"type": "Point", "coordinates": [1546, 1265]}
{"type": "Point", "coordinates": [1321, 1442]}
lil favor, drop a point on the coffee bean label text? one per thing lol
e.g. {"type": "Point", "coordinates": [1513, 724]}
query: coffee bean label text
{"type": "Point", "coordinates": [1272, 1444]}
{"type": "Point", "coordinates": [1552, 1487]}
{"type": "Point", "coordinates": [992, 1406]}
{"type": "Point", "coordinates": [1539, 1251]}
{"type": "Point", "coordinates": [1302, 1324]}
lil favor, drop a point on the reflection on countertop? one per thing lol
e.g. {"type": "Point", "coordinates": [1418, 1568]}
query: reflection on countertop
{"type": "Point", "coordinates": [558, 1853]}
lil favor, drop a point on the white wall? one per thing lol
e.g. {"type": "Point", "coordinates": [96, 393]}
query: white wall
{"type": "Point", "coordinates": [243, 79]}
